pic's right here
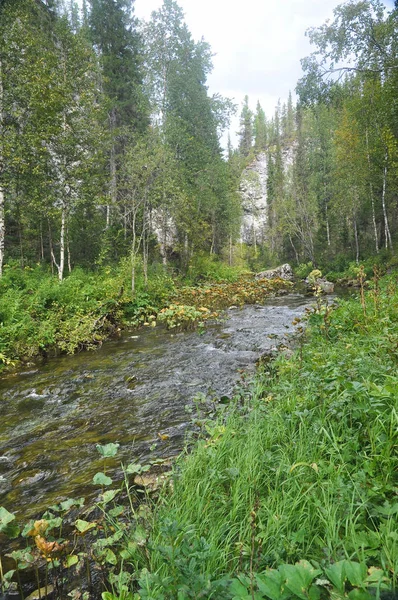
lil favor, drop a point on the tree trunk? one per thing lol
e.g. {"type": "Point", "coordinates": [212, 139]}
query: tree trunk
{"type": "Point", "coordinates": [383, 200]}
{"type": "Point", "coordinates": [145, 242]}
{"type": "Point", "coordinates": [22, 261]}
{"type": "Point", "coordinates": [327, 218]}
{"type": "Point", "coordinates": [213, 239]}
{"type": "Point", "coordinates": [294, 249]}
{"type": "Point", "coordinates": [2, 192]}
{"type": "Point", "coordinates": [2, 228]}
{"type": "Point", "coordinates": [41, 243]}
{"type": "Point", "coordinates": [356, 238]}
{"type": "Point", "coordinates": [68, 251]}
{"type": "Point", "coordinates": [113, 186]}
{"type": "Point", "coordinates": [163, 243]}
{"type": "Point", "coordinates": [61, 265]}
{"type": "Point", "coordinates": [50, 241]}
{"type": "Point", "coordinates": [372, 200]}
{"type": "Point", "coordinates": [133, 251]}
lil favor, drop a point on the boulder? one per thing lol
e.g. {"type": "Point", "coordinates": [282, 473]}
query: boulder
{"type": "Point", "coordinates": [327, 287]}
{"type": "Point", "coordinates": [282, 272]}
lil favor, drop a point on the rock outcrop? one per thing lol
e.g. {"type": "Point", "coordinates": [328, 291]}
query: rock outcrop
{"type": "Point", "coordinates": [253, 190]}
{"type": "Point", "coordinates": [283, 272]}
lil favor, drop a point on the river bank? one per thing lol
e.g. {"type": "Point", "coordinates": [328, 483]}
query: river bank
{"type": "Point", "coordinates": [41, 317]}
{"type": "Point", "coordinates": [130, 391]}
{"type": "Point", "coordinates": [142, 392]}
{"type": "Point", "coordinates": [300, 465]}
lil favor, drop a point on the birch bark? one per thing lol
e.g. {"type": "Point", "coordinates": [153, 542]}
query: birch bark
{"type": "Point", "coordinates": [2, 191]}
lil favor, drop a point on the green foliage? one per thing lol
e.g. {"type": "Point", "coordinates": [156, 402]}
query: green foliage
{"type": "Point", "coordinates": [180, 316]}
{"type": "Point", "coordinates": [7, 525]}
{"type": "Point", "coordinates": [302, 580]}
{"type": "Point", "coordinates": [289, 493]}
{"type": "Point", "coordinates": [314, 275]}
{"type": "Point", "coordinates": [210, 269]}
{"type": "Point", "coordinates": [39, 314]}
{"type": "Point", "coordinates": [303, 270]}
{"type": "Point", "coordinates": [216, 297]}
{"type": "Point", "coordinates": [301, 466]}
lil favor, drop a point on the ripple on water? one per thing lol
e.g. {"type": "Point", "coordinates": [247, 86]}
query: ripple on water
{"type": "Point", "coordinates": [127, 391]}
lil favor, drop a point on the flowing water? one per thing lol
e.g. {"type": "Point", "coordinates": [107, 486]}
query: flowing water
{"type": "Point", "coordinates": [129, 391]}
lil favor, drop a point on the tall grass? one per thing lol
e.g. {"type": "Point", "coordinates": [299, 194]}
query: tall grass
{"type": "Point", "coordinates": [303, 465]}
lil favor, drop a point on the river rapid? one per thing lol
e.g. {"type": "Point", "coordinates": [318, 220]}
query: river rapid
{"type": "Point", "coordinates": [134, 390]}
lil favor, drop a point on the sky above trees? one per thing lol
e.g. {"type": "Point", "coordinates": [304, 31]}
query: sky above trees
{"type": "Point", "coordinates": [257, 44]}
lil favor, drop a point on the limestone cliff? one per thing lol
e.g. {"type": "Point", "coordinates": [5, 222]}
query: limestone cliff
{"type": "Point", "coordinates": [253, 191]}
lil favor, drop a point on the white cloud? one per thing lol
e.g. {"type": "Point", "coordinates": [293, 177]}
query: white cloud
{"type": "Point", "coordinates": [258, 44]}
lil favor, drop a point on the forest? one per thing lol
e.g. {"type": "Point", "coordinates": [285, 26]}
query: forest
{"type": "Point", "coordinates": [119, 210]}
{"type": "Point", "coordinates": [110, 143]}
{"type": "Point", "coordinates": [112, 171]}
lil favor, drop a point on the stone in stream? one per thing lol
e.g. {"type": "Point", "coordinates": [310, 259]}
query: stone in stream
{"type": "Point", "coordinates": [327, 287]}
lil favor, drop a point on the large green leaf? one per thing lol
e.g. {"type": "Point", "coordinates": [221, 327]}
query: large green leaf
{"type": "Point", "coordinates": [7, 524]}
{"type": "Point", "coordinates": [101, 479]}
{"type": "Point", "coordinates": [299, 577]}
{"type": "Point", "coordinates": [108, 450]}
{"type": "Point", "coordinates": [270, 584]}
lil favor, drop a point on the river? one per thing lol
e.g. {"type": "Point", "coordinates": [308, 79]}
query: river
{"type": "Point", "coordinates": [133, 390]}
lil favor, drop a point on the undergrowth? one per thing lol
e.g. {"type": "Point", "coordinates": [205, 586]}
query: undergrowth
{"type": "Point", "coordinates": [40, 315]}
{"type": "Point", "coordinates": [289, 491]}
{"type": "Point", "coordinates": [302, 466]}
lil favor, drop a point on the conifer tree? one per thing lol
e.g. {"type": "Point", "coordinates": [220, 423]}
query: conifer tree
{"type": "Point", "coordinates": [260, 129]}
{"type": "Point", "coordinates": [114, 34]}
{"type": "Point", "coordinates": [246, 129]}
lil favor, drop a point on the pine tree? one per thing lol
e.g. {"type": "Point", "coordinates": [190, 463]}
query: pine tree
{"type": "Point", "coordinates": [190, 122]}
{"type": "Point", "coordinates": [290, 116]}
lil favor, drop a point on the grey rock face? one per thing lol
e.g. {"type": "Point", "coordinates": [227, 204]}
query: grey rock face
{"type": "Point", "coordinates": [253, 190]}
{"type": "Point", "coordinates": [283, 272]}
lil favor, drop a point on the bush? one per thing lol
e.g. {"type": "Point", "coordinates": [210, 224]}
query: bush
{"type": "Point", "coordinates": [303, 270]}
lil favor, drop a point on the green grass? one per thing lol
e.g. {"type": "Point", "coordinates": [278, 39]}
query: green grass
{"type": "Point", "coordinates": [289, 491]}
{"type": "Point", "coordinates": [302, 466]}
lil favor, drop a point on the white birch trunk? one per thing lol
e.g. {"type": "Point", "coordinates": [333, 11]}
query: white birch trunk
{"type": "Point", "coordinates": [327, 217]}
{"type": "Point", "coordinates": [372, 201]}
{"type": "Point", "coordinates": [2, 192]}
{"type": "Point", "coordinates": [61, 265]}
{"type": "Point", "coordinates": [383, 200]}
{"type": "Point", "coordinates": [356, 239]}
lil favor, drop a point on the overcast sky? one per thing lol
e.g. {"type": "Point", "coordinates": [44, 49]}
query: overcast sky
{"type": "Point", "coordinates": [257, 43]}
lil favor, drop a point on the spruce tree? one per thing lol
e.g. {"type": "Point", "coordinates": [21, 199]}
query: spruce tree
{"type": "Point", "coordinates": [260, 129]}
{"type": "Point", "coordinates": [115, 37]}
{"type": "Point", "coordinates": [246, 129]}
